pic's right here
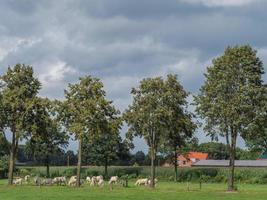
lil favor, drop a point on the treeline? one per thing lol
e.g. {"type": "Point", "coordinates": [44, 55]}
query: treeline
{"type": "Point", "coordinates": [232, 103]}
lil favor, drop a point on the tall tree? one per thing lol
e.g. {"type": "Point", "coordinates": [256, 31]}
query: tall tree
{"type": "Point", "coordinates": [230, 99]}
{"type": "Point", "coordinates": [179, 123]}
{"type": "Point", "coordinates": [152, 110]}
{"type": "Point", "coordinates": [48, 137]}
{"type": "Point", "coordinates": [102, 149]}
{"type": "Point", "coordinates": [85, 112]}
{"type": "Point", "coordinates": [17, 90]}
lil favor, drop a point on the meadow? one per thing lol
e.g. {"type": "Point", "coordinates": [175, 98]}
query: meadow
{"type": "Point", "coordinates": [208, 175]}
{"type": "Point", "coordinates": [251, 184]}
{"type": "Point", "coordinates": [163, 191]}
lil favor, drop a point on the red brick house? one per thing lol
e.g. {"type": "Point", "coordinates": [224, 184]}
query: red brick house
{"type": "Point", "coordinates": [187, 160]}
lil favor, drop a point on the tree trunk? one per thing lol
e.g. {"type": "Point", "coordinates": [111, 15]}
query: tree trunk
{"type": "Point", "coordinates": [78, 183]}
{"type": "Point", "coordinates": [152, 182]}
{"type": "Point", "coordinates": [232, 161]}
{"type": "Point", "coordinates": [12, 157]}
{"type": "Point", "coordinates": [106, 168]}
{"type": "Point", "coordinates": [153, 155]}
{"type": "Point", "coordinates": [47, 167]}
{"type": "Point", "coordinates": [175, 166]}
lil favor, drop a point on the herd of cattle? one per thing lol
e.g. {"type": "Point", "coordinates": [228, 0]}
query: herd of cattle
{"type": "Point", "coordinates": [92, 181]}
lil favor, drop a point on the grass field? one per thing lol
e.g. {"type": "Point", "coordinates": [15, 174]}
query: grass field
{"type": "Point", "coordinates": [165, 190]}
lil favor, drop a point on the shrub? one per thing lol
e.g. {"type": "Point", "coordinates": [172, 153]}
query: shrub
{"type": "Point", "coordinates": [3, 166]}
{"type": "Point", "coordinates": [128, 171]}
{"type": "Point", "coordinates": [69, 172]}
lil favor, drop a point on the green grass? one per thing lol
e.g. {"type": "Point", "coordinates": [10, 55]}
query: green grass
{"type": "Point", "coordinates": [164, 190]}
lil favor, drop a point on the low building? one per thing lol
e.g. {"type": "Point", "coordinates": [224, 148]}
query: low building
{"type": "Point", "coordinates": [225, 163]}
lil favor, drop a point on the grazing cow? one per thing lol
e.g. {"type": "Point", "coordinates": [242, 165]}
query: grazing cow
{"type": "Point", "coordinates": [143, 181]}
{"type": "Point", "coordinates": [72, 181]}
{"type": "Point", "coordinates": [155, 181]}
{"type": "Point", "coordinates": [27, 178]}
{"type": "Point", "coordinates": [93, 181]}
{"type": "Point", "coordinates": [47, 181]}
{"type": "Point", "coordinates": [18, 181]}
{"type": "Point", "coordinates": [98, 178]}
{"type": "Point", "coordinates": [100, 183]}
{"type": "Point", "coordinates": [113, 180]}
{"type": "Point", "coordinates": [37, 181]}
{"type": "Point", "coordinates": [88, 179]}
{"type": "Point", "coordinates": [59, 180]}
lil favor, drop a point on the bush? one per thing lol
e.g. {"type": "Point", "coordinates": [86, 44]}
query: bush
{"type": "Point", "coordinates": [3, 166]}
{"type": "Point", "coordinates": [128, 171]}
{"type": "Point", "coordinates": [69, 172]}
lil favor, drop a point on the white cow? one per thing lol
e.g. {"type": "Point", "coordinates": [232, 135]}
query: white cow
{"type": "Point", "coordinates": [155, 181]}
{"type": "Point", "coordinates": [37, 181]}
{"type": "Point", "coordinates": [143, 181]}
{"type": "Point", "coordinates": [113, 180]}
{"type": "Point", "coordinates": [47, 181]}
{"type": "Point", "coordinates": [100, 183]}
{"type": "Point", "coordinates": [72, 181]}
{"type": "Point", "coordinates": [93, 181]}
{"type": "Point", "coordinates": [60, 180]}
{"type": "Point", "coordinates": [27, 178]}
{"type": "Point", "coordinates": [88, 179]}
{"type": "Point", "coordinates": [98, 178]}
{"type": "Point", "coordinates": [18, 181]}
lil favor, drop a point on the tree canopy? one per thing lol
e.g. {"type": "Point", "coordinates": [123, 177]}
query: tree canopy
{"type": "Point", "coordinates": [85, 112]}
{"type": "Point", "coordinates": [18, 88]}
{"type": "Point", "coordinates": [231, 97]}
{"type": "Point", "coordinates": [157, 113]}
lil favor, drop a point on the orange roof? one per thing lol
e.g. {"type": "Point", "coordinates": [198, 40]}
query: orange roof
{"type": "Point", "coordinates": [198, 155]}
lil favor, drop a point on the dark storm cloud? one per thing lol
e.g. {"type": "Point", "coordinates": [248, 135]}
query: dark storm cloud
{"type": "Point", "coordinates": [123, 41]}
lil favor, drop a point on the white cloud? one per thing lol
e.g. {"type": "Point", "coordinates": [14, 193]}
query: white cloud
{"type": "Point", "coordinates": [53, 77]}
{"type": "Point", "coordinates": [13, 44]}
{"type": "Point", "coordinates": [222, 3]}
{"type": "Point", "coordinates": [56, 72]}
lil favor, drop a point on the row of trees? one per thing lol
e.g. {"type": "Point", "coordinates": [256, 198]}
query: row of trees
{"type": "Point", "coordinates": [232, 103]}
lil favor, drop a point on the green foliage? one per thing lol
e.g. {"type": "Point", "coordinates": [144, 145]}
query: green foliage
{"type": "Point", "coordinates": [48, 137]}
{"type": "Point", "coordinates": [219, 151]}
{"type": "Point", "coordinates": [3, 166]}
{"type": "Point", "coordinates": [4, 162]}
{"type": "Point", "coordinates": [179, 125]}
{"type": "Point", "coordinates": [139, 158]}
{"type": "Point", "coordinates": [144, 116]}
{"type": "Point", "coordinates": [231, 99]}
{"type": "Point", "coordinates": [158, 114]}
{"type": "Point", "coordinates": [133, 171]}
{"type": "Point", "coordinates": [18, 89]}
{"type": "Point", "coordinates": [4, 145]}
{"type": "Point", "coordinates": [85, 110]}
{"type": "Point", "coordinates": [103, 149]}
{"type": "Point", "coordinates": [87, 114]}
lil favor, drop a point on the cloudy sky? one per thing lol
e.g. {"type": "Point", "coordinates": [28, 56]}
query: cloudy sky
{"type": "Point", "coordinates": [123, 41]}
